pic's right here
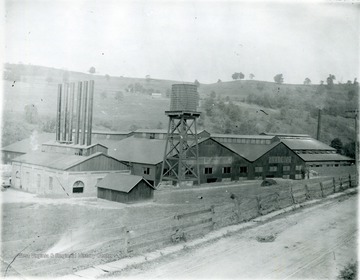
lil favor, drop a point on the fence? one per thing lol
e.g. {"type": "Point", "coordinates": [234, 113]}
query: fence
{"type": "Point", "coordinates": [186, 226]}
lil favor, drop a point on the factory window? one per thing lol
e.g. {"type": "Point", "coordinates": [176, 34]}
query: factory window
{"type": "Point", "coordinates": [286, 176]}
{"type": "Point", "coordinates": [253, 141]}
{"type": "Point", "coordinates": [298, 167]}
{"type": "Point", "coordinates": [258, 169]}
{"type": "Point", "coordinates": [298, 176]}
{"type": "Point", "coordinates": [336, 165]}
{"type": "Point", "coordinates": [267, 142]}
{"type": "Point", "coordinates": [208, 170]}
{"type": "Point", "coordinates": [50, 183]}
{"type": "Point", "coordinates": [146, 170]}
{"type": "Point", "coordinates": [78, 187]}
{"type": "Point", "coordinates": [152, 136]}
{"type": "Point", "coordinates": [262, 141]}
{"type": "Point", "coordinates": [318, 165]}
{"type": "Point", "coordinates": [286, 168]}
{"type": "Point", "coordinates": [258, 141]}
{"type": "Point", "coordinates": [243, 169]}
{"type": "Point", "coordinates": [227, 170]}
{"type": "Point", "coordinates": [279, 159]}
{"type": "Point", "coordinates": [272, 168]}
{"type": "Point", "coordinates": [238, 140]}
{"type": "Point", "coordinates": [243, 141]}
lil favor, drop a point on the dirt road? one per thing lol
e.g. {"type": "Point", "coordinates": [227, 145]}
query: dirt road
{"type": "Point", "coordinates": [314, 242]}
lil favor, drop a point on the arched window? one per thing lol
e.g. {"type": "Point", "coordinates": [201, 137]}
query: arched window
{"type": "Point", "coordinates": [78, 187]}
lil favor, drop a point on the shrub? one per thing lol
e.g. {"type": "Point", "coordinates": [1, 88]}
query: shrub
{"type": "Point", "coordinates": [348, 272]}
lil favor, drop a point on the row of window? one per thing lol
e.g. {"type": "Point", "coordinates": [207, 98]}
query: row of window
{"type": "Point", "coordinates": [258, 169]}
{"type": "Point", "coordinates": [315, 152]}
{"type": "Point", "coordinates": [330, 165]}
{"type": "Point", "coordinates": [243, 140]}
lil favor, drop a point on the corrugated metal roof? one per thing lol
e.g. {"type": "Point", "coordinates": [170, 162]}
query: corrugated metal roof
{"type": "Point", "coordinates": [324, 157]}
{"type": "Point", "coordinates": [140, 150]}
{"type": "Point", "coordinates": [236, 136]}
{"type": "Point", "coordinates": [121, 182]}
{"type": "Point", "coordinates": [54, 160]}
{"type": "Point", "coordinates": [29, 144]}
{"type": "Point", "coordinates": [250, 152]}
{"type": "Point", "coordinates": [111, 132]}
{"type": "Point", "coordinates": [286, 135]}
{"type": "Point", "coordinates": [306, 144]}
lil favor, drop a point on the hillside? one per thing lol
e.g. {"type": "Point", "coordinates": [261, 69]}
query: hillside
{"type": "Point", "coordinates": [123, 103]}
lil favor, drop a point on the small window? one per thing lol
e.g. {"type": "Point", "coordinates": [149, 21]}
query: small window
{"type": "Point", "coordinates": [272, 168]}
{"type": "Point", "coordinates": [50, 183]}
{"type": "Point", "coordinates": [286, 176]}
{"type": "Point", "coordinates": [208, 170]}
{"type": "Point", "coordinates": [258, 169]}
{"type": "Point", "coordinates": [286, 168]}
{"type": "Point", "coordinates": [336, 165]}
{"type": "Point", "coordinates": [298, 167]}
{"type": "Point", "coordinates": [258, 141]}
{"type": "Point", "coordinates": [152, 136]}
{"type": "Point", "coordinates": [243, 169]}
{"type": "Point", "coordinates": [298, 176]}
{"type": "Point", "coordinates": [146, 170]}
{"type": "Point", "coordinates": [253, 141]}
{"type": "Point", "coordinates": [227, 170]}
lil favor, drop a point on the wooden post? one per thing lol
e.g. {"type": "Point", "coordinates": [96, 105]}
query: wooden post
{"type": "Point", "coordinates": [292, 195]}
{"type": "Point", "coordinates": [334, 185]}
{"type": "Point", "coordinates": [322, 189]}
{"type": "Point", "coordinates": [340, 182]}
{"type": "Point", "coordinates": [307, 193]}
{"type": "Point", "coordinates": [349, 181]}
{"type": "Point", "coordinates": [258, 205]}
{"type": "Point", "coordinates": [126, 240]}
{"type": "Point", "coordinates": [213, 216]}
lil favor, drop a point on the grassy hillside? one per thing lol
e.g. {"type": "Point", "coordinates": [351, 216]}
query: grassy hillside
{"type": "Point", "coordinates": [122, 103]}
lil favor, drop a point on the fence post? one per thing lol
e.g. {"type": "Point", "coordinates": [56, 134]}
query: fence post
{"type": "Point", "coordinates": [126, 240]}
{"type": "Point", "coordinates": [213, 216]}
{"type": "Point", "coordinates": [349, 181]}
{"type": "Point", "coordinates": [292, 195]}
{"type": "Point", "coordinates": [334, 185]}
{"type": "Point", "coordinates": [277, 200]}
{"type": "Point", "coordinates": [340, 182]}
{"type": "Point", "coordinates": [307, 193]}
{"type": "Point", "coordinates": [258, 205]}
{"type": "Point", "coordinates": [322, 189]}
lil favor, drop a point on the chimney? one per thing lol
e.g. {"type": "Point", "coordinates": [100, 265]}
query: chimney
{"type": "Point", "coordinates": [65, 126]}
{"type": "Point", "coordinates": [71, 111]}
{"type": "Point", "coordinates": [319, 125]}
{"type": "Point", "coordinates": [58, 114]}
{"type": "Point", "coordinates": [78, 113]}
{"type": "Point", "coordinates": [90, 112]}
{"type": "Point", "coordinates": [84, 114]}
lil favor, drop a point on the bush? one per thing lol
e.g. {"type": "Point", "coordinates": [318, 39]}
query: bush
{"type": "Point", "coordinates": [349, 272]}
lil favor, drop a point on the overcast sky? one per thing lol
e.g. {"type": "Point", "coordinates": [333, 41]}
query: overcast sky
{"type": "Point", "coordinates": [187, 40]}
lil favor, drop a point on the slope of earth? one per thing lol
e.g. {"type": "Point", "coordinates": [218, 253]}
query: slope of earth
{"type": "Point", "coordinates": [315, 242]}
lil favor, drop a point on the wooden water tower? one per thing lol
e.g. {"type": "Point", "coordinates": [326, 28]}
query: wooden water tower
{"type": "Point", "coordinates": [181, 157]}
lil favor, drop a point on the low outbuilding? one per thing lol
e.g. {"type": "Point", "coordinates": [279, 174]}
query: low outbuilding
{"type": "Point", "coordinates": [124, 188]}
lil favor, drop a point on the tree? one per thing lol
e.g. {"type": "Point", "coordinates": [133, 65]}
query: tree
{"type": "Point", "coordinates": [31, 113]}
{"type": "Point", "coordinates": [197, 83]}
{"type": "Point", "coordinates": [92, 70]}
{"type": "Point", "coordinates": [235, 76]}
{"type": "Point", "coordinates": [337, 144]}
{"type": "Point", "coordinates": [330, 80]}
{"type": "Point", "coordinates": [349, 149]}
{"type": "Point", "coordinates": [307, 81]}
{"type": "Point", "coordinates": [279, 78]}
{"type": "Point", "coordinates": [241, 76]}
{"type": "Point", "coordinates": [251, 76]}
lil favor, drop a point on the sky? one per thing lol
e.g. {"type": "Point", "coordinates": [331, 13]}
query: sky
{"type": "Point", "coordinates": [187, 40]}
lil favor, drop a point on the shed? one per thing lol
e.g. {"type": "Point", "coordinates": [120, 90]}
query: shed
{"type": "Point", "coordinates": [124, 188]}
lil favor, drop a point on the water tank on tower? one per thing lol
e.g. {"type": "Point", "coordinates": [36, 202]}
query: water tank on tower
{"type": "Point", "coordinates": [184, 97]}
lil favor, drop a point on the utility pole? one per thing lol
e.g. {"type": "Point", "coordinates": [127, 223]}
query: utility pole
{"type": "Point", "coordinates": [355, 115]}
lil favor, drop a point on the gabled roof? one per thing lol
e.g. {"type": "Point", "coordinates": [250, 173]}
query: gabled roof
{"type": "Point", "coordinates": [285, 135]}
{"type": "Point", "coordinates": [54, 160]}
{"type": "Point", "coordinates": [324, 157]}
{"type": "Point", "coordinates": [139, 150]}
{"type": "Point", "coordinates": [236, 136]}
{"type": "Point", "coordinates": [30, 144]}
{"type": "Point", "coordinates": [250, 152]}
{"type": "Point", "coordinates": [121, 182]}
{"type": "Point", "coordinates": [306, 144]}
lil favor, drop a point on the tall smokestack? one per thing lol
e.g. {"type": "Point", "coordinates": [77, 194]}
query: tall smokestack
{"type": "Point", "coordinates": [84, 113]}
{"type": "Point", "coordinates": [58, 114]}
{"type": "Point", "coordinates": [319, 125]}
{"type": "Point", "coordinates": [90, 112]}
{"type": "Point", "coordinates": [71, 110]}
{"type": "Point", "coordinates": [78, 113]}
{"type": "Point", "coordinates": [66, 92]}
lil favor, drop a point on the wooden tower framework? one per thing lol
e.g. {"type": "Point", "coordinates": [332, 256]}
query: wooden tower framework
{"type": "Point", "coordinates": [181, 157]}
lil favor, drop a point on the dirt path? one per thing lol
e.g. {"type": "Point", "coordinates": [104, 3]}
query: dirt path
{"type": "Point", "coordinates": [313, 243]}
